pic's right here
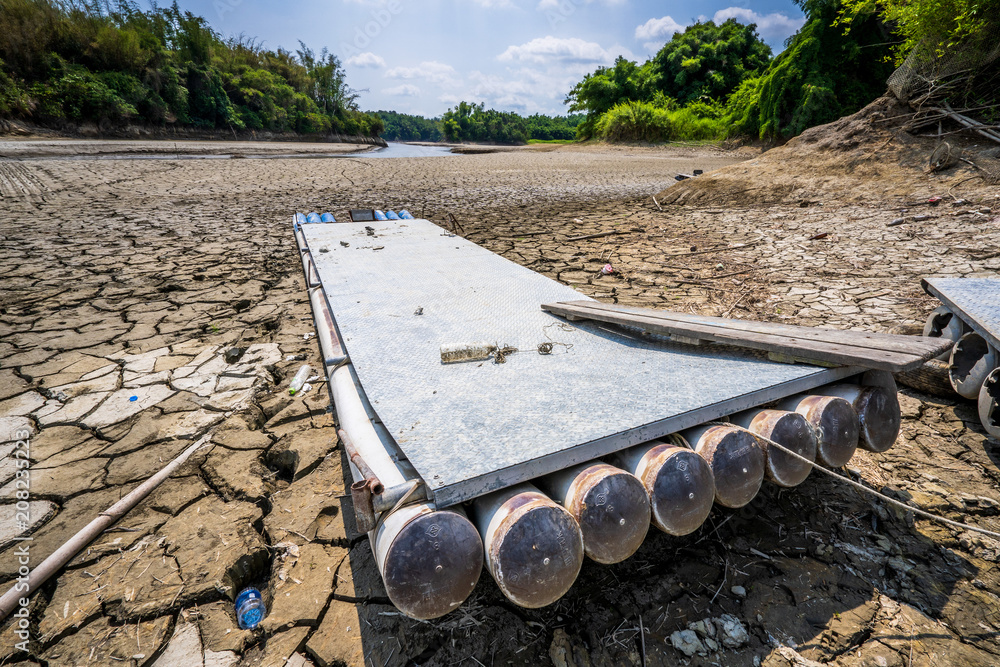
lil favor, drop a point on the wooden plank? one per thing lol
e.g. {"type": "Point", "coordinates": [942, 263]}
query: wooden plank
{"type": "Point", "coordinates": [822, 351]}
{"type": "Point", "coordinates": [918, 345]}
{"type": "Point", "coordinates": [799, 348]}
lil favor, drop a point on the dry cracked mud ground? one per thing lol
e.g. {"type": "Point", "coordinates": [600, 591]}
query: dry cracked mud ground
{"type": "Point", "coordinates": [131, 278]}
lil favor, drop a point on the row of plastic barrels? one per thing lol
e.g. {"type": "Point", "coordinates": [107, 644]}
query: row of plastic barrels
{"type": "Point", "coordinates": [973, 365]}
{"type": "Point", "coordinates": [536, 535]}
{"type": "Point", "coordinates": [303, 218]}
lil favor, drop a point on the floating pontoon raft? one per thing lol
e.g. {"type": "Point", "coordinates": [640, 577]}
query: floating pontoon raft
{"type": "Point", "coordinates": [472, 428]}
{"type": "Point", "coordinates": [392, 299]}
{"type": "Point", "coordinates": [970, 317]}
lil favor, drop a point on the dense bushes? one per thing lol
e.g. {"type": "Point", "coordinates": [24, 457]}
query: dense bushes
{"type": "Point", "coordinates": [644, 121]}
{"type": "Point", "coordinates": [825, 73]}
{"type": "Point", "coordinates": [111, 62]}
{"type": "Point", "coordinates": [553, 128]}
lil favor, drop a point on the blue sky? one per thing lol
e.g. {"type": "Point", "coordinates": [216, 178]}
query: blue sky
{"type": "Point", "coordinates": [424, 56]}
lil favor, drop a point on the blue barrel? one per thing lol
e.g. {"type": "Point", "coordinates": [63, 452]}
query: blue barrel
{"type": "Point", "coordinates": [379, 215]}
{"type": "Point", "coordinates": [405, 215]}
{"type": "Point", "coordinates": [300, 218]}
{"type": "Point", "coordinates": [313, 217]}
{"type": "Point", "coordinates": [392, 215]}
{"type": "Point", "coordinates": [327, 217]}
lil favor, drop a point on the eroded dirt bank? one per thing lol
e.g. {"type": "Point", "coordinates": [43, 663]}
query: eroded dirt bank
{"type": "Point", "coordinates": [130, 278]}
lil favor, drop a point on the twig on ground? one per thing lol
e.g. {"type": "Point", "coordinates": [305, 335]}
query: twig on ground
{"type": "Point", "coordinates": [594, 236]}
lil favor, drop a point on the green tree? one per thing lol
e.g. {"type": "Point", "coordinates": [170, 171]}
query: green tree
{"type": "Point", "coordinates": [708, 60]}
{"type": "Point", "coordinates": [473, 122]}
{"type": "Point", "coordinates": [607, 87]}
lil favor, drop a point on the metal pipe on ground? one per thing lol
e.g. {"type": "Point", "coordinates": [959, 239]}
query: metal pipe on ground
{"type": "Point", "coordinates": [989, 404]}
{"type": "Point", "coordinates": [430, 559]}
{"type": "Point", "coordinates": [788, 429]}
{"type": "Point", "coordinates": [610, 505]}
{"type": "Point", "coordinates": [23, 588]}
{"type": "Point", "coordinates": [834, 422]}
{"type": "Point", "coordinates": [942, 323]}
{"type": "Point", "coordinates": [972, 359]}
{"type": "Point", "coordinates": [877, 407]}
{"type": "Point", "coordinates": [679, 482]}
{"type": "Point", "coordinates": [534, 547]}
{"type": "Point", "coordinates": [737, 460]}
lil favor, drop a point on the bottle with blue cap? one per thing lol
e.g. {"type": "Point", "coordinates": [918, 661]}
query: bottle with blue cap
{"type": "Point", "coordinates": [250, 609]}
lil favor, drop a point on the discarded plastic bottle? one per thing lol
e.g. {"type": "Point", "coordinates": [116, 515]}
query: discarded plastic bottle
{"type": "Point", "coordinates": [250, 609]}
{"type": "Point", "coordinates": [405, 215]}
{"type": "Point", "coordinates": [392, 215]}
{"type": "Point", "coordinates": [313, 217]}
{"type": "Point", "coordinates": [299, 380]}
{"type": "Point", "coordinates": [327, 217]}
{"type": "Point", "coordinates": [379, 215]}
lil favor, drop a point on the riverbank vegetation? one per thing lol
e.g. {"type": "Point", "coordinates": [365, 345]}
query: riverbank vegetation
{"type": "Point", "coordinates": [715, 81]}
{"type": "Point", "coordinates": [111, 63]}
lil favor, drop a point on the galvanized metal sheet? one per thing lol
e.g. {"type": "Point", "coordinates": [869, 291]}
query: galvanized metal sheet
{"type": "Point", "coordinates": [975, 300]}
{"type": "Point", "coordinates": [399, 290]}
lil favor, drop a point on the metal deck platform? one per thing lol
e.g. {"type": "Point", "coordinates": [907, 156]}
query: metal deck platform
{"type": "Point", "coordinates": [399, 290]}
{"type": "Point", "coordinates": [976, 301]}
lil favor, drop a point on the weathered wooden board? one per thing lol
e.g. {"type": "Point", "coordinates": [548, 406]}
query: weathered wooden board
{"type": "Point", "coordinates": [888, 352]}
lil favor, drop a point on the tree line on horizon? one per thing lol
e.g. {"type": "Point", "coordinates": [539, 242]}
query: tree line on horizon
{"type": "Point", "coordinates": [473, 122]}
{"type": "Point", "coordinates": [69, 62]}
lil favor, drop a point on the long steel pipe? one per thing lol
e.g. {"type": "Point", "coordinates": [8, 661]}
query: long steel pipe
{"type": "Point", "coordinates": [942, 323]}
{"type": "Point", "coordinates": [679, 482]}
{"type": "Point", "coordinates": [430, 559]}
{"type": "Point", "coordinates": [534, 547]}
{"type": "Point", "coordinates": [989, 404]}
{"type": "Point", "coordinates": [737, 460]}
{"type": "Point", "coordinates": [972, 359]}
{"type": "Point", "coordinates": [788, 429]}
{"type": "Point", "coordinates": [610, 505]}
{"type": "Point", "coordinates": [834, 422]}
{"type": "Point", "coordinates": [877, 407]}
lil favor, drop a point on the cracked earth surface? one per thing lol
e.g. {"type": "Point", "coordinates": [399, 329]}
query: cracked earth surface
{"type": "Point", "coordinates": [127, 279]}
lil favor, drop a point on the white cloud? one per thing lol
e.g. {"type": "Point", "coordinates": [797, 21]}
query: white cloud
{"type": "Point", "coordinates": [658, 28]}
{"type": "Point", "coordinates": [430, 70]}
{"type": "Point", "coordinates": [366, 59]}
{"type": "Point", "coordinates": [405, 90]}
{"type": "Point", "coordinates": [657, 31]}
{"type": "Point", "coordinates": [549, 50]}
{"type": "Point", "coordinates": [773, 26]}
